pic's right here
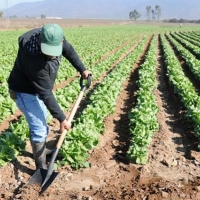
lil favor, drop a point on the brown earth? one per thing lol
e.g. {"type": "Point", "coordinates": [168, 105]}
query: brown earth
{"type": "Point", "coordinates": [172, 172]}
{"type": "Point", "coordinates": [28, 23]}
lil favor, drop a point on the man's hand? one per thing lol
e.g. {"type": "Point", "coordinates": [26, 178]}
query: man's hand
{"type": "Point", "coordinates": [86, 73]}
{"type": "Point", "coordinates": [65, 125]}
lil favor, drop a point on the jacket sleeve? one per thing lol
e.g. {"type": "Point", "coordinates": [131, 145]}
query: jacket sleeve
{"type": "Point", "coordinates": [70, 54]}
{"type": "Point", "coordinates": [43, 84]}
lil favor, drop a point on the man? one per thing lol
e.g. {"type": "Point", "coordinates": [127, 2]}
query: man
{"type": "Point", "coordinates": [32, 79]}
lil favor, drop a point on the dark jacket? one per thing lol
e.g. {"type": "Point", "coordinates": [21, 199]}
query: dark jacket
{"type": "Point", "coordinates": [34, 73]}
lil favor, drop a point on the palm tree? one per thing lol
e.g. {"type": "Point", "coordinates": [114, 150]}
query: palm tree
{"type": "Point", "coordinates": [148, 9]}
{"type": "Point", "coordinates": [153, 15]}
{"type": "Point", "coordinates": [158, 12]}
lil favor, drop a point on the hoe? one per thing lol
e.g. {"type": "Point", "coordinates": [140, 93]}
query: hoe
{"type": "Point", "coordinates": [44, 177]}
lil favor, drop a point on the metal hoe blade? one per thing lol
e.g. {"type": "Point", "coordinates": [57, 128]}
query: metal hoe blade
{"type": "Point", "coordinates": [38, 178]}
{"type": "Point", "coordinates": [48, 182]}
{"type": "Point", "coordinates": [50, 170]}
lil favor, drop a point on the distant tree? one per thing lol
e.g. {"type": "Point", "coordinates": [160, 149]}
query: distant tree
{"type": "Point", "coordinates": [153, 15]}
{"type": "Point", "coordinates": [43, 16]}
{"type": "Point", "coordinates": [148, 9]}
{"type": "Point", "coordinates": [1, 14]}
{"type": "Point", "coordinates": [174, 20]}
{"type": "Point", "coordinates": [12, 16]}
{"type": "Point", "coordinates": [158, 12]}
{"type": "Point", "coordinates": [134, 15]}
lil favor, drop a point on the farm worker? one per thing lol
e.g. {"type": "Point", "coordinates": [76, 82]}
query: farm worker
{"type": "Point", "coordinates": [32, 79]}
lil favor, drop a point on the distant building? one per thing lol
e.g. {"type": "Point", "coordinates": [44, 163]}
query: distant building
{"type": "Point", "coordinates": [53, 17]}
{"type": "Point", "coordinates": [50, 18]}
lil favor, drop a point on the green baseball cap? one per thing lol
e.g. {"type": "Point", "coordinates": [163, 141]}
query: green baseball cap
{"type": "Point", "coordinates": [52, 39]}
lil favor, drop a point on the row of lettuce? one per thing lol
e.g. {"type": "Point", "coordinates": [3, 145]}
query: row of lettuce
{"type": "Point", "coordinates": [183, 87]}
{"type": "Point", "coordinates": [143, 117]}
{"type": "Point", "coordinates": [102, 102]}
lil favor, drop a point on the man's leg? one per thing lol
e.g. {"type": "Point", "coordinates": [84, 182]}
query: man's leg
{"type": "Point", "coordinates": [35, 112]}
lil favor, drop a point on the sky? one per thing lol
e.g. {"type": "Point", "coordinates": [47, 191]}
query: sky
{"type": "Point", "coordinates": [182, 9]}
{"type": "Point", "coordinates": [13, 2]}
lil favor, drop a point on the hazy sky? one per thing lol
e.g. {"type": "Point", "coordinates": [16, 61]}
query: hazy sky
{"type": "Point", "coordinates": [12, 2]}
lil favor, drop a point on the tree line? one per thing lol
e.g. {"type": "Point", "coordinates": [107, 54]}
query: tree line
{"type": "Point", "coordinates": [174, 20]}
{"type": "Point", "coordinates": [152, 14]}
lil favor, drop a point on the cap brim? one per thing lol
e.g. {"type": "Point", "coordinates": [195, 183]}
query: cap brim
{"type": "Point", "coordinates": [51, 50]}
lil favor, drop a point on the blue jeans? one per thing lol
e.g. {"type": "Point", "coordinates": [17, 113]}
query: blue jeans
{"type": "Point", "coordinates": [35, 112]}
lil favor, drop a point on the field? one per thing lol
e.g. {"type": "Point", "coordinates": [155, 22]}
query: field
{"type": "Point", "coordinates": [136, 133]}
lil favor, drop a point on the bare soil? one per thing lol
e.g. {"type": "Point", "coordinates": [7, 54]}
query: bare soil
{"type": "Point", "coordinates": [28, 23]}
{"type": "Point", "coordinates": [172, 172]}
